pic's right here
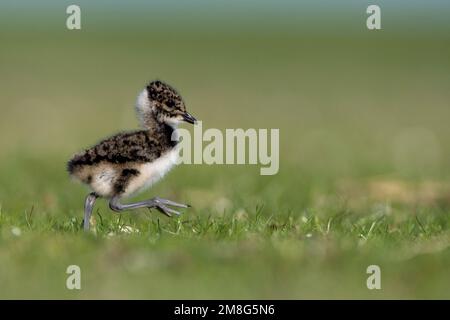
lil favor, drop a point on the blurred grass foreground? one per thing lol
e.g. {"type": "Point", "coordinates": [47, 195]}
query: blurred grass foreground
{"type": "Point", "coordinates": [364, 158]}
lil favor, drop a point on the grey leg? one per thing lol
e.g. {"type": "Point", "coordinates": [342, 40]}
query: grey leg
{"type": "Point", "coordinates": [157, 203]}
{"type": "Point", "coordinates": [172, 203]}
{"type": "Point", "coordinates": [88, 206]}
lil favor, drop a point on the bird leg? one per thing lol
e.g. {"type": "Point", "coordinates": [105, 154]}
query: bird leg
{"type": "Point", "coordinates": [88, 206]}
{"type": "Point", "coordinates": [157, 203]}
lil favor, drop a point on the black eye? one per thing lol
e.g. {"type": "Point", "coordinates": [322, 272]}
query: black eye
{"type": "Point", "coordinates": [170, 103]}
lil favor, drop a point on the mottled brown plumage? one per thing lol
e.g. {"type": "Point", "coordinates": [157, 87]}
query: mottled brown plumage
{"type": "Point", "coordinates": [167, 96]}
{"type": "Point", "coordinates": [128, 162]}
{"type": "Point", "coordinates": [123, 153]}
{"type": "Point", "coordinates": [136, 147]}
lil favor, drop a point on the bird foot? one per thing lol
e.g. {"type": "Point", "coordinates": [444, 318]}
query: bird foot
{"type": "Point", "coordinates": [161, 205]}
{"type": "Point", "coordinates": [158, 203]}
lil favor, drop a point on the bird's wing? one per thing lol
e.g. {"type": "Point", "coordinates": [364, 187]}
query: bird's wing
{"type": "Point", "coordinates": [136, 146]}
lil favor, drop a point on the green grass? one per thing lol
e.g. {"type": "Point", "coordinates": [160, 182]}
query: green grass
{"type": "Point", "coordinates": [364, 176]}
{"type": "Point", "coordinates": [240, 240]}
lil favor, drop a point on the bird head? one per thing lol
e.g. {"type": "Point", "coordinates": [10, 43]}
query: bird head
{"type": "Point", "coordinates": [163, 103]}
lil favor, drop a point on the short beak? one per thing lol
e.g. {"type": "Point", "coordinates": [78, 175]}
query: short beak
{"type": "Point", "coordinates": [189, 118]}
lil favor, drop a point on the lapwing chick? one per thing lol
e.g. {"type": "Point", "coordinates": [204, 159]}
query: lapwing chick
{"type": "Point", "coordinates": [129, 162]}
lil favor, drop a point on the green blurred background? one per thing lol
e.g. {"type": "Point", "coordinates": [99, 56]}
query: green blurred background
{"type": "Point", "coordinates": [363, 118]}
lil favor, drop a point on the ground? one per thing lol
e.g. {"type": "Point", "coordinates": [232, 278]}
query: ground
{"type": "Point", "coordinates": [363, 180]}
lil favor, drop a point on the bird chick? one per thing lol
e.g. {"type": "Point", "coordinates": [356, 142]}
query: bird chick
{"type": "Point", "coordinates": [126, 163]}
